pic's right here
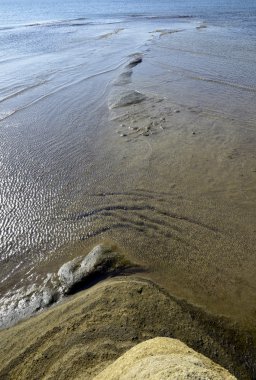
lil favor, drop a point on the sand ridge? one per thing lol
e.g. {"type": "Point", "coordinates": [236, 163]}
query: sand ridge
{"type": "Point", "coordinates": [82, 336]}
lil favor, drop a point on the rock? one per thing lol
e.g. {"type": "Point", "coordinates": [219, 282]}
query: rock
{"type": "Point", "coordinates": [123, 78]}
{"type": "Point", "coordinates": [163, 358]}
{"type": "Point", "coordinates": [201, 26]}
{"type": "Point", "coordinates": [71, 277]}
{"type": "Point", "coordinates": [126, 98]}
{"type": "Point", "coordinates": [100, 260]}
{"type": "Point", "coordinates": [133, 128]}
{"type": "Point", "coordinates": [136, 59]}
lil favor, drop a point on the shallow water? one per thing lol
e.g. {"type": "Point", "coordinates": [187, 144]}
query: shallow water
{"type": "Point", "coordinates": [69, 181]}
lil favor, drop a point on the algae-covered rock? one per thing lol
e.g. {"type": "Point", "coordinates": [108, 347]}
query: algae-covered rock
{"type": "Point", "coordinates": [163, 358]}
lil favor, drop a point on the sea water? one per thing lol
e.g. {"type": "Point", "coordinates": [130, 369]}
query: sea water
{"type": "Point", "coordinates": [58, 62]}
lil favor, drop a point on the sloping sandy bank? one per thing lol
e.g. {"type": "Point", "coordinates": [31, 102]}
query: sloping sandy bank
{"type": "Point", "coordinates": [163, 358]}
{"type": "Point", "coordinates": [82, 336]}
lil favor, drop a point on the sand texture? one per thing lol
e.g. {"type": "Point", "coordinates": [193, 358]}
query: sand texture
{"type": "Point", "coordinates": [171, 184]}
{"type": "Point", "coordinates": [171, 181]}
{"type": "Point", "coordinates": [163, 358]}
{"type": "Point", "coordinates": [80, 337]}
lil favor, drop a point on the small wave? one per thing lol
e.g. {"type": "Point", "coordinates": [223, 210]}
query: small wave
{"type": "Point", "coordinates": [5, 115]}
{"type": "Point", "coordinates": [225, 83]}
{"type": "Point", "coordinates": [110, 34]}
{"type": "Point", "coordinates": [160, 17]}
{"type": "Point", "coordinates": [7, 27]}
{"type": "Point", "coordinates": [202, 25]}
{"type": "Point", "coordinates": [21, 91]}
{"type": "Point", "coordinates": [169, 17]}
{"type": "Point", "coordinates": [136, 15]}
{"type": "Point", "coordinates": [56, 23]}
{"type": "Point", "coordinates": [81, 21]}
{"type": "Point", "coordinates": [163, 32]}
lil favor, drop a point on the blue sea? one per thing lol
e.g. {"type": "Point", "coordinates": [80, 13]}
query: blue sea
{"type": "Point", "coordinates": [58, 62]}
{"type": "Point", "coordinates": [38, 37]}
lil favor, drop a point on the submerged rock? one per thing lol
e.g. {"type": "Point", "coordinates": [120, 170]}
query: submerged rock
{"type": "Point", "coordinates": [164, 358]}
{"type": "Point", "coordinates": [101, 260]}
{"type": "Point", "coordinates": [201, 26]}
{"type": "Point", "coordinates": [123, 78]}
{"type": "Point", "coordinates": [136, 59]}
{"type": "Point", "coordinates": [126, 98]}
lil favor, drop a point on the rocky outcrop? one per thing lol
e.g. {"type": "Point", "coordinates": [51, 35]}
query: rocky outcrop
{"type": "Point", "coordinates": [102, 260]}
{"type": "Point", "coordinates": [163, 358]}
{"type": "Point", "coordinates": [77, 274]}
{"type": "Point", "coordinates": [126, 98]}
{"type": "Point", "coordinates": [135, 60]}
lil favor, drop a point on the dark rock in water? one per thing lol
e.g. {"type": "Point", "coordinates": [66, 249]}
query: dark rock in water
{"type": "Point", "coordinates": [124, 78]}
{"type": "Point", "coordinates": [126, 99]}
{"type": "Point", "coordinates": [201, 26]}
{"type": "Point", "coordinates": [136, 59]}
{"type": "Point", "coordinates": [101, 261]}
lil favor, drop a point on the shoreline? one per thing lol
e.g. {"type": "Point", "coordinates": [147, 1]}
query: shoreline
{"type": "Point", "coordinates": [171, 184]}
{"type": "Point", "coordinates": [105, 308]}
{"type": "Point", "coordinates": [182, 231]}
{"type": "Point", "coordinates": [196, 161]}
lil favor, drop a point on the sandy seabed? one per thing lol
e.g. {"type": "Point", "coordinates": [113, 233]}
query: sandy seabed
{"type": "Point", "coordinates": [179, 201]}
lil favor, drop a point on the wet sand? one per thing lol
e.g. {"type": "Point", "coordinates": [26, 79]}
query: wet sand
{"type": "Point", "coordinates": [179, 198]}
{"type": "Point", "coordinates": [193, 206]}
{"type": "Point", "coordinates": [173, 186]}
